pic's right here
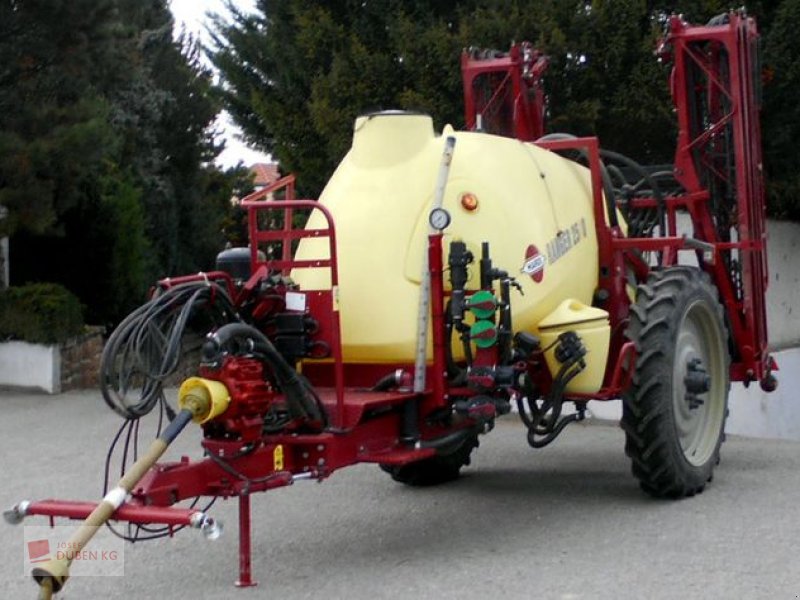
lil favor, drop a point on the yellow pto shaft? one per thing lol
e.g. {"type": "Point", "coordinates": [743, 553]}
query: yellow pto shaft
{"type": "Point", "coordinates": [197, 402]}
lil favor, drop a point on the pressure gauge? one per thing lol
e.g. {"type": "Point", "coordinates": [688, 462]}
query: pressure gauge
{"type": "Point", "coordinates": [439, 219]}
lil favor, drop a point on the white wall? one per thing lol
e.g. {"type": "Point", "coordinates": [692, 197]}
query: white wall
{"type": "Point", "coordinates": [783, 289]}
{"type": "Point", "coordinates": [753, 412]}
{"type": "Point", "coordinates": [30, 366]}
{"type": "Point", "coordinates": [783, 293]}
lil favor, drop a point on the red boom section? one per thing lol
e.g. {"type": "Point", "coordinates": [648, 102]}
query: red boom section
{"type": "Point", "coordinates": [716, 91]}
{"type": "Point", "coordinates": [503, 92]}
{"type": "Point", "coordinates": [715, 85]}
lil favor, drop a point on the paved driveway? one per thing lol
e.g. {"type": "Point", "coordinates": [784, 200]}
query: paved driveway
{"type": "Point", "coordinates": [566, 522]}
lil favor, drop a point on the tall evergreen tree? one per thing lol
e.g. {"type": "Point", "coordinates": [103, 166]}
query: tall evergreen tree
{"type": "Point", "coordinates": [105, 148]}
{"type": "Point", "coordinates": [781, 122]}
{"type": "Point", "coordinates": [54, 132]}
{"type": "Point", "coordinates": [297, 74]}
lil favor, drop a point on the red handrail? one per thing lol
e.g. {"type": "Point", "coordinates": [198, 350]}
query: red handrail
{"type": "Point", "coordinates": [288, 262]}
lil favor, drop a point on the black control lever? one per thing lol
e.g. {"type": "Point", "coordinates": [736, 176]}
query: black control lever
{"type": "Point", "coordinates": [458, 261]}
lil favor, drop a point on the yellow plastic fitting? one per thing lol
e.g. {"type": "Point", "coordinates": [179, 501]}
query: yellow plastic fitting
{"type": "Point", "coordinates": [592, 326]}
{"type": "Point", "coordinates": [206, 398]}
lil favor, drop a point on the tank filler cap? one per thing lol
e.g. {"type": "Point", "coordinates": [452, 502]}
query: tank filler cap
{"type": "Point", "coordinates": [387, 138]}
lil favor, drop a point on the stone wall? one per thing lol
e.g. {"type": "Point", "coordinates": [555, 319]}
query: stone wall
{"type": "Point", "coordinates": [80, 360]}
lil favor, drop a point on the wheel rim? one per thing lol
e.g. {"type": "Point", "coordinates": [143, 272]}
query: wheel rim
{"type": "Point", "coordinates": [699, 344]}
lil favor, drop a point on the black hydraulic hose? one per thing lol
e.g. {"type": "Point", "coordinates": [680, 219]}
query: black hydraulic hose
{"type": "Point", "coordinates": [453, 370]}
{"type": "Point", "coordinates": [617, 174]}
{"type": "Point", "coordinates": [562, 380]}
{"type": "Point", "coordinates": [608, 186]}
{"type": "Point", "coordinates": [556, 431]}
{"type": "Point", "coordinates": [455, 373]}
{"type": "Point", "coordinates": [648, 178]}
{"type": "Point", "coordinates": [387, 382]}
{"type": "Point", "coordinates": [523, 412]}
{"type": "Point", "coordinates": [506, 327]}
{"type": "Point", "coordinates": [451, 439]}
{"type": "Point", "coordinates": [553, 425]}
{"type": "Point", "coordinates": [301, 404]}
{"type": "Point", "coordinates": [552, 400]}
{"type": "Point", "coordinates": [720, 19]}
{"type": "Point", "coordinates": [145, 348]}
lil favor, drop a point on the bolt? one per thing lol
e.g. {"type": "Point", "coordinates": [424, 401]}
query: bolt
{"type": "Point", "coordinates": [320, 448]}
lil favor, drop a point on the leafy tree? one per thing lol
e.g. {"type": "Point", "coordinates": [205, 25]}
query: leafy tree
{"type": "Point", "coordinates": [297, 74]}
{"type": "Point", "coordinates": [105, 149]}
{"type": "Point", "coordinates": [164, 110]}
{"type": "Point", "coordinates": [268, 81]}
{"type": "Point", "coordinates": [54, 130]}
{"type": "Point", "coordinates": [226, 187]}
{"type": "Point", "coordinates": [781, 115]}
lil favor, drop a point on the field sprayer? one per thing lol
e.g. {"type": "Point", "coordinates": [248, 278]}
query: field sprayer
{"type": "Point", "coordinates": [439, 280]}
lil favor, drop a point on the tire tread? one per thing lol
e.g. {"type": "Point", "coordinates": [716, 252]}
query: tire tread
{"type": "Point", "coordinates": [646, 419]}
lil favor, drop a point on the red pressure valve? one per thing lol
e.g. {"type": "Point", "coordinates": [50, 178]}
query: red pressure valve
{"type": "Point", "coordinates": [251, 397]}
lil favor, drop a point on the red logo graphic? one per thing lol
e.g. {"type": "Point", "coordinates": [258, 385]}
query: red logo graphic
{"type": "Point", "coordinates": [534, 263]}
{"type": "Point", "coordinates": [38, 551]}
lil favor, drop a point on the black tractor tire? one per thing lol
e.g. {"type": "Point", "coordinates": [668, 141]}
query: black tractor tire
{"type": "Point", "coordinates": [444, 467]}
{"type": "Point", "coordinates": [674, 426]}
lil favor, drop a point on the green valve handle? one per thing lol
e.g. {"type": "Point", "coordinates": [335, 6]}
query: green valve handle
{"type": "Point", "coordinates": [482, 304]}
{"type": "Point", "coordinates": [484, 334]}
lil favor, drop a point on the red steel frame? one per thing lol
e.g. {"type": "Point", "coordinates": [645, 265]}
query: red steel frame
{"type": "Point", "coordinates": [724, 60]}
{"type": "Point", "coordinates": [286, 185]}
{"type": "Point", "coordinates": [364, 424]}
{"type": "Point", "coordinates": [725, 56]}
{"type": "Point", "coordinates": [517, 96]}
{"type": "Point", "coordinates": [715, 70]}
{"type": "Point", "coordinates": [285, 265]}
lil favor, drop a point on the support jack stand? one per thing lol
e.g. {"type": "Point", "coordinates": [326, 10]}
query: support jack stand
{"type": "Point", "coordinates": [245, 576]}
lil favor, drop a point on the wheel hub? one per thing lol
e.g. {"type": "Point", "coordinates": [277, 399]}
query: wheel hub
{"type": "Point", "coordinates": [699, 387]}
{"type": "Point", "coordinates": [697, 382]}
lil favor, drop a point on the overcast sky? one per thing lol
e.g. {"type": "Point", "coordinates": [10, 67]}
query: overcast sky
{"type": "Point", "coordinates": [192, 15]}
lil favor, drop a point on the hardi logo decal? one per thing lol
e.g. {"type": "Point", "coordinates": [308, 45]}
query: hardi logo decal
{"type": "Point", "coordinates": [534, 263]}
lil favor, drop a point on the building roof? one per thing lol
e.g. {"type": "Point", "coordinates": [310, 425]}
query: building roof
{"type": "Point", "coordinates": [265, 174]}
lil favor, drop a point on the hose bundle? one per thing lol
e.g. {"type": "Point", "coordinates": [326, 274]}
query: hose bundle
{"type": "Point", "coordinates": [145, 349]}
{"type": "Point", "coordinates": [542, 416]}
{"type": "Point", "coordinates": [619, 190]}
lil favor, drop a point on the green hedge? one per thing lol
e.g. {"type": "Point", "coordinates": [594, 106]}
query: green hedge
{"type": "Point", "coordinates": [40, 313]}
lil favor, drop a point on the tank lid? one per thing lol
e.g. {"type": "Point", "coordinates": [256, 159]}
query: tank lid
{"type": "Point", "coordinates": [383, 139]}
{"type": "Point", "coordinates": [395, 112]}
{"type": "Point", "coordinates": [572, 312]}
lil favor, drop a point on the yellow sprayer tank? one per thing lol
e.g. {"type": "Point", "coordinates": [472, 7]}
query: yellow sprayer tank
{"type": "Point", "coordinates": [533, 207]}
